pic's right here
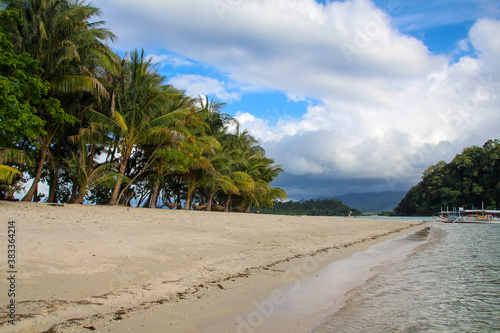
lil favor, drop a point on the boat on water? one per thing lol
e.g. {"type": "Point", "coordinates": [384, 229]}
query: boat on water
{"type": "Point", "coordinates": [469, 216]}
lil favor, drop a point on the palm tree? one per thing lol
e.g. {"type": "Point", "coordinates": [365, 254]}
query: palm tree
{"type": "Point", "coordinates": [259, 171]}
{"type": "Point", "coordinates": [164, 163]}
{"type": "Point", "coordinates": [197, 163]}
{"type": "Point", "coordinates": [142, 116]}
{"type": "Point", "coordinates": [61, 36]}
{"type": "Point", "coordinates": [69, 47]}
{"type": "Point", "coordinates": [243, 183]}
{"type": "Point", "coordinates": [217, 122]}
{"type": "Point", "coordinates": [263, 171]}
{"type": "Point", "coordinates": [87, 173]}
{"type": "Point", "coordinates": [220, 181]}
{"type": "Point", "coordinates": [269, 198]}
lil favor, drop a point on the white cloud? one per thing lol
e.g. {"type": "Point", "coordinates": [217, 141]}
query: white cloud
{"type": "Point", "coordinates": [170, 59]}
{"type": "Point", "coordinates": [386, 105]}
{"type": "Point", "coordinates": [415, 123]}
{"type": "Point", "coordinates": [486, 40]}
{"type": "Point", "coordinates": [196, 85]}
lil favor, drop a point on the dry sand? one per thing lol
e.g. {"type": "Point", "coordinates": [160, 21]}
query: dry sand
{"type": "Point", "coordinates": [117, 269]}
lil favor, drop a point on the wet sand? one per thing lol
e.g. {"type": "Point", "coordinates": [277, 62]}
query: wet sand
{"type": "Point", "coordinates": [117, 269]}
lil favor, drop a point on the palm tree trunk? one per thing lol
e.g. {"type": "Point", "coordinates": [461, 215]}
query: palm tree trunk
{"type": "Point", "coordinates": [34, 187]}
{"type": "Point", "coordinates": [81, 195]}
{"type": "Point", "coordinates": [247, 209]}
{"type": "Point", "coordinates": [74, 192]}
{"type": "Point", "coordinates": [191, 187]}
{"type": "Point", "coordinates": [113, 104]}
{"type": "Point", "coordinates": [228, 202]}
{"type": "Point", "coordinates": [210, 199]}
{"type": "Point", "coordinates": [154, 197]}
{"type": "Point", "coordinates": [111, 154]}
{"type": "Point", "coordinates": [54, 175]}
{"type": "Point", "coordinates": [91, 158]}
{"type": "Point", "coordinates": [187, 205]}
{"type": "Point", "coordinates": [119, 181]}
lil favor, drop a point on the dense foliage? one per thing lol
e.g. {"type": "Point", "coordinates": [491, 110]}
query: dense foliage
{"type": "Point", "coordinates": [469, 180]}
{"type": "Point", "coordinates": [326, 207]}
{"type": "Point", "coordinates": [108, 130]}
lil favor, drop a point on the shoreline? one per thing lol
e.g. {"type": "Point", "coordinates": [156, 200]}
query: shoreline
{"type": "Point", "coordinates": [278, 312]}
{"type": "Point", "coordinates": [113, 268]}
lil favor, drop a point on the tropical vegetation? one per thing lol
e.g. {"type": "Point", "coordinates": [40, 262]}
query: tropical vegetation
{"type": "Point", "coordinates": [319, 207]}
{"type": "Point", "coordinates": [104, 129]}
{"type": "Point", "coordinates": [470, 180]}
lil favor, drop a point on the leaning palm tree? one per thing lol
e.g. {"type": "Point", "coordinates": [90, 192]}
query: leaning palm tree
{"type": "Point", "coordinates": [142, 116]}
{"type": "Point", "coordinates": [88, 174]}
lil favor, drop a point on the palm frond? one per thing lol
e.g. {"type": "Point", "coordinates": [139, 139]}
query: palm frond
{"type": "Point", "coordinates": [75, 83]}
{"type": "Point", "coordinates": [119, 121]}
{"type": "Point", "coordinates": [15, 156]}
{"type": "Point", "coordinates": [8, 173]}
{"type": "Point", "coordinates": [168, 118]}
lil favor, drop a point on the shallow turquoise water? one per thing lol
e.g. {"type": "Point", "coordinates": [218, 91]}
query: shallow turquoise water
{"type": "Point", "coordinates": [449, 284]}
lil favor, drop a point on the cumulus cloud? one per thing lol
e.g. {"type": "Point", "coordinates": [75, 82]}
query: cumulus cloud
{"type": "Point", "coordinates": [387, 107]}
{"type": "Point", "coordinates": [196, 85]}
{"type": "Point", "coordinates": [487, 42]}
{"type": "Point", "coordinates": [170, 59]}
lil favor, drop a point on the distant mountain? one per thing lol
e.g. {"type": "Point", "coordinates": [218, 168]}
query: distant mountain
{"type": "Point", "coordinates": [372, 202]}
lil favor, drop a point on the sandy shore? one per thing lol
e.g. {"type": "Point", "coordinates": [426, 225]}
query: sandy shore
{"type": "Point", "coordinates": [116, 269]}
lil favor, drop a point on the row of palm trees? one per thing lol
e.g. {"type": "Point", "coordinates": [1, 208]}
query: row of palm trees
{"type": "Point", "coordinates": [118, 133]}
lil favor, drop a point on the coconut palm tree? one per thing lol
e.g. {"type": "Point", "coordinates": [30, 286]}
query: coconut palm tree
{"type": "Point", "coordinates": [142, 116]}
{"type": "Point", "coordinates": [165, 162]}
{"type": "Point", "coordinates": [259, 169]}
{"type": "Point", "coordinates": [220, 181]}
{"type": "Point", "coordinates": [87, 173]}
{"type": "Point", "coordinates": [197, 162]}
{"type": "Point", "coordinates": [243, 183]}
{"type": "Point", "coordinates": [70, 48]}
{"type": "Point", "coordinates": [263, 170]}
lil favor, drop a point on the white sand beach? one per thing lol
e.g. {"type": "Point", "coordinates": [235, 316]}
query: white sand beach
{"type": "Point", "coordinates": [116, 269]}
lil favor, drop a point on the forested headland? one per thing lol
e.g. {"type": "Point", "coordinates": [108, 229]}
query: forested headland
{"type": "Point", "coordinates": [469, 180]}
{"type": "Point", "coordinates": [105, 129]}
{"type": "Point", "coordinates": [325, 207]}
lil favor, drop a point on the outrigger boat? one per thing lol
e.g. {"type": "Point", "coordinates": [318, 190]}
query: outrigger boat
{"type": "Point", "coordinates": [469, 216]}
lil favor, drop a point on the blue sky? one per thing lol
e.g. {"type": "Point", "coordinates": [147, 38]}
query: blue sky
{"type": "Point", "coordinates": [349, 96]}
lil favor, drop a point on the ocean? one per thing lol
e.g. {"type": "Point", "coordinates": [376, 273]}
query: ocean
{"type": "Point", "coordinates": [449, 281]}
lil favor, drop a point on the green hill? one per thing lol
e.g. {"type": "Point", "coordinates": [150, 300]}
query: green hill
{"type": "Point", "coordinates": [326, 207]}
{"type": "Point", "coordinates": [470, 179]}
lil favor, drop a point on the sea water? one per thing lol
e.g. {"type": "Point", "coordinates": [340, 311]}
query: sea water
{"type": "Point", "coordinates": [449, 283]}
